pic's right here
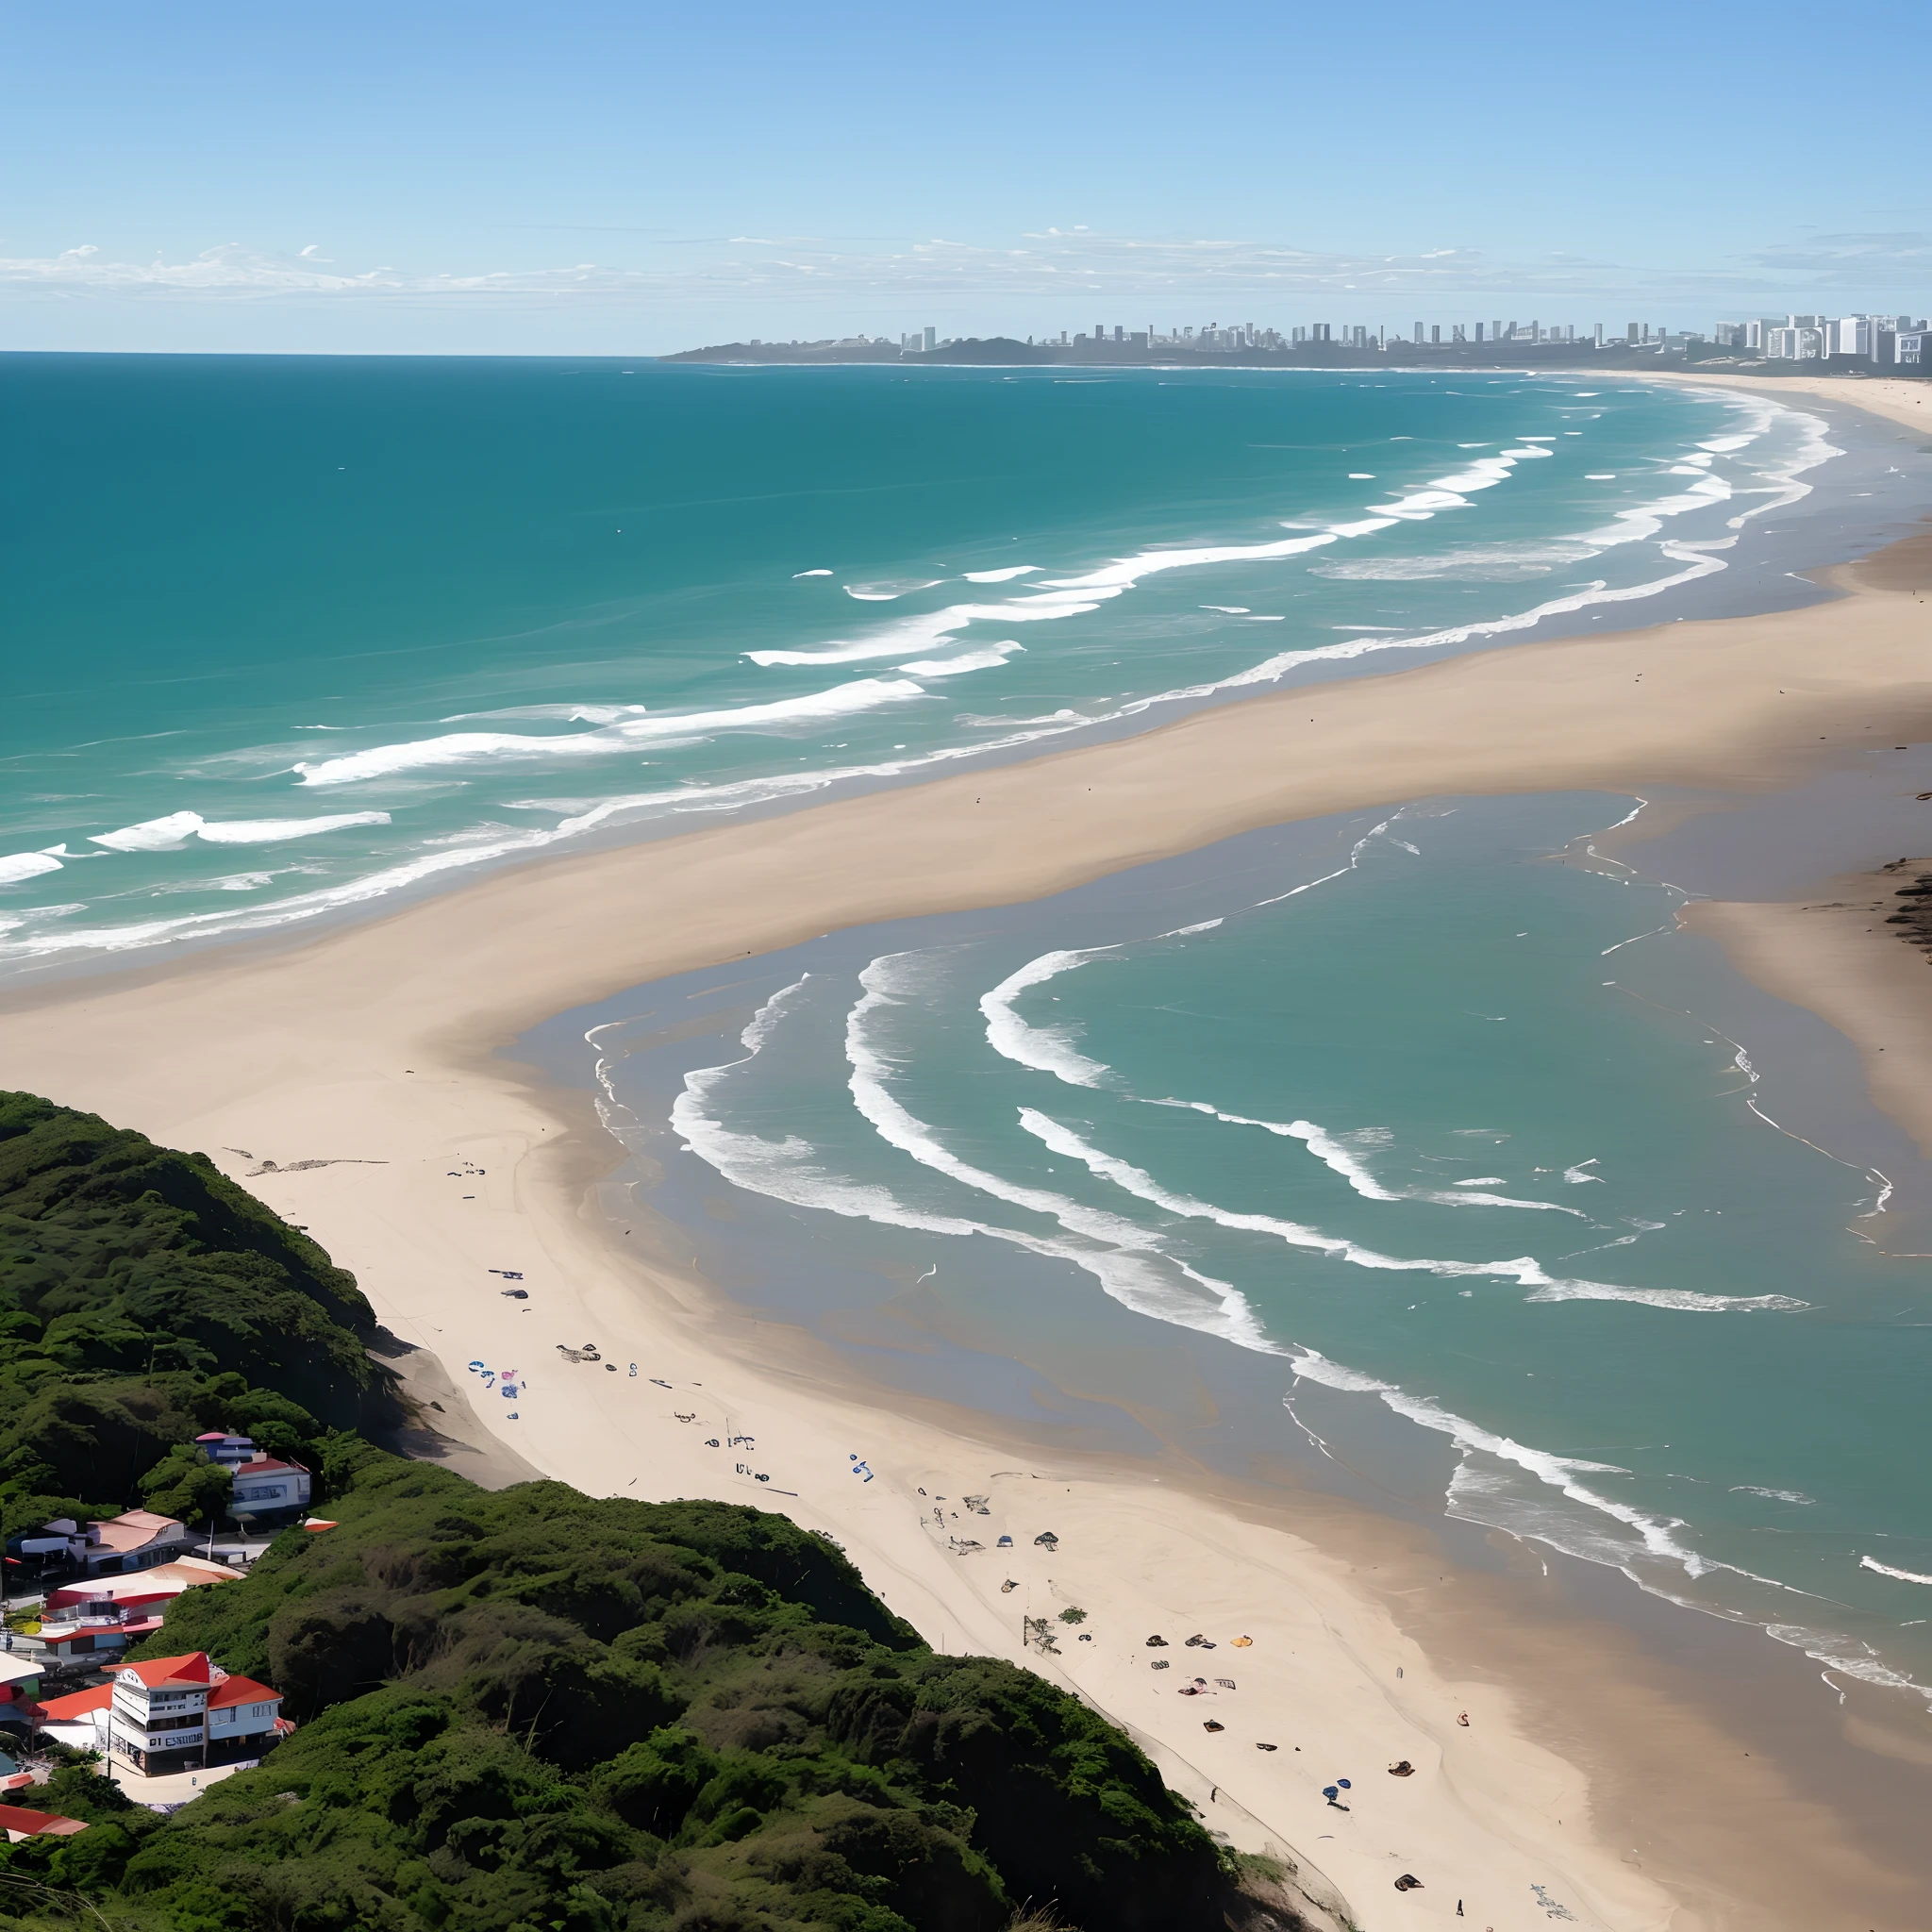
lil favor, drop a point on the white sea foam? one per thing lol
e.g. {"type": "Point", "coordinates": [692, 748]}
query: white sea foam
{"type": "Point", "coordinates": [1885, 1569]}
{"type": "Point", "coordinates": [1050, 1049]}
{"type": "Point", "coordinates": [1130, 1260]}
{"type": "Point", "coordinates": [1001, 576]}
{"type": "Point", "coordinates": [1561, 1472]}
{"type": "Point", "coordinates": [1494, 563]}
{"type": "Point", "coordinates": [1342, 1155]}
{"type": "Point", "coordinates": [927, 631]}
{"type": "Point", "coordinates": [1047, 1049]}
{"type": "Point", "coordinates": [1783, 485]}
{"type": "Point", "coordinates": [171, 834]}
{"type": "Point", "coordinates": [985, 659]}
{"type": "Point", "coordinates": [1776, 1495]}
{"type": "Point", "coordinates": [1132, 1268]}
{"type": "Point", "coordinates": [886, 983]}
{"type": "Point", "coordinates": [17, 866]}
{"type": "Point", "coordinates": [464, 748]}
{"type": "Point", "coordinates": [1523, 1269]}
{"type": "Point", "coordinates": [885, 593]}
{"type": "Point", "coordinates": [551, 714]}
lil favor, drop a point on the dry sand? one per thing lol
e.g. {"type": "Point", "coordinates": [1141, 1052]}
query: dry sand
{"type": "Point", "coordinates": [375, 1047]}
{"type": "Point", "coordinates": [1890, 397]}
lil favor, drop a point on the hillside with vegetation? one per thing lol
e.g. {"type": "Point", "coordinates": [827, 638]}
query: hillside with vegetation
{"type": "Point", "coordinates": [145, 1297]}
{"type": "Point", "coordinates": [521, 1710]}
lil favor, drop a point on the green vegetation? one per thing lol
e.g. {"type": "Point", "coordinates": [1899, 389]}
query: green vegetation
{"type": "Point", "coordinates": [533, 1709]}
{"type": "Point", "coordinates": [145, 1297]}
{"type": "Point", "coordinates": [519, 1711]}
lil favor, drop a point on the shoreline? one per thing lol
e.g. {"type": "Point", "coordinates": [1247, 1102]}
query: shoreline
{"type": "Point", "coordinates": [382, 1039]}
{"type": "Point", "coordinates": [1852, 505]}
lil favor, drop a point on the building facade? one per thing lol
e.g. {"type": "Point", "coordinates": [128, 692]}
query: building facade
{"type": "Point", "coordinates": [261, 1485]}
{"type": "Point", "coordinates": [184, 1713]}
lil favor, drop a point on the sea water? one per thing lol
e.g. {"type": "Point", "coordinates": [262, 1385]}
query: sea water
{"type": "Point", "coordinates": [290, 635]}
{"type": "Point", "coordinates": [1401, 1111]}
{"type": "Point", "coordinates": [1430, 1108]}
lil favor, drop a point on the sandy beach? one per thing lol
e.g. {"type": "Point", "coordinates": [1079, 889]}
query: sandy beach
{"type": "Point", "coordinates": [366, 1065]}
{"type": "Point", "coordinates": [1887, 396]}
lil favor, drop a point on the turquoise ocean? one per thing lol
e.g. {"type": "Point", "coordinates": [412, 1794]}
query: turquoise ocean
{"type": "Point", "coordinates": [1398, 1104]}
{"type": "Point", "coordinates": [288, 636]}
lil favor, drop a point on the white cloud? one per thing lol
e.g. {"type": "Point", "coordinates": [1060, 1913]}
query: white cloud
{"type": "Point", "coordinates": [1053, 262]}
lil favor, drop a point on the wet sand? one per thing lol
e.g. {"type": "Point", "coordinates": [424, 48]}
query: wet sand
{"type": "Point", "coordinates": [1587, 1767]}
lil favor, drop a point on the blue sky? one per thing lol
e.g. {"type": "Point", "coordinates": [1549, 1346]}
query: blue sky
{"type": "Point", "coordinates": [590, 177]}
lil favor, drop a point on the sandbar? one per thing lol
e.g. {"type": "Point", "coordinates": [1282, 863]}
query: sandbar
{"type": "Point", "coordinates": [379, 1045]}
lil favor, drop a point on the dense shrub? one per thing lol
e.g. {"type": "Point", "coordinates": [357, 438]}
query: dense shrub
{"type": "Point", "coordinates": [143, 1298]}
{"type": "Point", "coordinates": [520, 1712]}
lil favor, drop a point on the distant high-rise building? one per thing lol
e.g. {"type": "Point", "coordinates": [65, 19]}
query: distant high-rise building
{"type": "Point", "coordinates": [1496, 331]}
{"type": "Point", "coordinates": [1630, 332]}
{"type": "Point", "coordinates": [1478, 331]}
{"type": "Point", "coordinates": [929, 339]}
{"type": "Point", "coordinates": [1852, 336]}
{"type": "Point", "coordinates": [1599, 335]}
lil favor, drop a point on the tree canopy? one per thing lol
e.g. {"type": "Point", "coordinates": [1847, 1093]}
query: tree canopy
{"type": "Point", "coordinates": [529, 1709]}
{"type": "Point", "coordinates": [145, 1297]}
{"type": "Point", "coordinates": [525, 1710]}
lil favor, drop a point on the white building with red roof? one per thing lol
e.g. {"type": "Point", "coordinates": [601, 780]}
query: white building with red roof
{"type": "Point", "coordinates": [185, 1713]}
{"type": "Point", "coordinates": [262, 1485]}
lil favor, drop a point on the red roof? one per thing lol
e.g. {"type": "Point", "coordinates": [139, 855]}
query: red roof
{"type": "Point", "coordinates": [160, 1672]}
{"type": "Point", "coordinates": [76, 1705]}
{"type": "Point", "coordinates": [14, 1818]}
{"type": "Point", "coordinates": [242, 1691]}
{"type": "Point", "coordinates": [267, 1465]}
{"type": "Point", "coordinates": [212, 1436]}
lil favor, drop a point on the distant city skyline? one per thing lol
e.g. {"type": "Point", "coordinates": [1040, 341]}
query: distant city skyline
{"type": "Point", "coordinates": [1891, 339]}
{"type": "Point", "coordinates": [594, 178]}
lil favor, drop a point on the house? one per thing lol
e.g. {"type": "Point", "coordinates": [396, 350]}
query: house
{"type": "Point", "coordinates": [131, 1541]}
{"type": "Point", "coordinates": [21, 1825]}
{"type": "Point", "coordinates": [185, 1713]}
{"type": "Point", "coordinates": [262, 1485]}
{"type": "Point", "coordinates": [94, 1625]}
{"type": "Point", "coordinates": [79, 1720]}
{"type": "Point", "coordinates": [266, 1485]}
